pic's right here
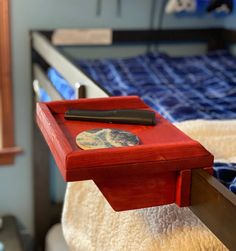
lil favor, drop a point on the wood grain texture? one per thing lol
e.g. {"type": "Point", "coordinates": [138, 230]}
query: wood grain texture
{"type": "Point", "coordinates": [5, 77]}
{"type": "Point", "coordinates": [89, 104]}
{"type": "Point", "coordinates": [82, 37]}
{"type": "Point", "coordinates": [215, 206]}
{"type": "Point", "coordinates": [127, 176]}
{"type": "Point", "coordinates": [135, 191]}
{"type": "Point", "coordinates": [6, 154]}
{"type": "Point", "coordinates": [183, 188]}
{"type": "Point", "coordinates": [51, 131]}
{"type": "Point", "coordinates": [6, 98]}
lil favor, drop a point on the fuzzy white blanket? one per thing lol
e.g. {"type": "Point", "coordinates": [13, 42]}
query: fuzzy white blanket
{"type": "Point", "coordinates": [90, 224]}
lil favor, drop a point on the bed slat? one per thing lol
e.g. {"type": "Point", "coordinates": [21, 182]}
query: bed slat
{"type": "Point", "coordinates": [215, 206]}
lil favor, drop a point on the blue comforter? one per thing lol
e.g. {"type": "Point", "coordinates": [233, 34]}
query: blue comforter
{"type": "Point", "coordinates": [179, 88]}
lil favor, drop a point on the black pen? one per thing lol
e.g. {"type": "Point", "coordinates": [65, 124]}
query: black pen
{"type": "Point", "coordinates": [140, 117]}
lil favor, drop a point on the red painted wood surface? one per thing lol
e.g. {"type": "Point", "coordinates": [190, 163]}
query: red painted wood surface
{"type": "Point", "coordinates": [156, 172]}
{"type": "Point", "coordinates": [183, 186]}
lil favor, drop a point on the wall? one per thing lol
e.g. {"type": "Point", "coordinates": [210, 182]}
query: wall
{"type": "Point", "coordinates": [16, 181]}
{"type": "Point", "coordinates": [230, 23]}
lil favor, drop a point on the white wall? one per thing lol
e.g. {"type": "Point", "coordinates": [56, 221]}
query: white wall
{"type": "Point", "coordinates": [16, 181]}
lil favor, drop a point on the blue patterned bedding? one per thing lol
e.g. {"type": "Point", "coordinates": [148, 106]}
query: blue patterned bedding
{"type": "Point", "coordinates": [179, 88]}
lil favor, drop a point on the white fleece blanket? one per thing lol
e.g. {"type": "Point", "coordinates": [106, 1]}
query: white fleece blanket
{"type": "Point", "coordinates": [90, 224]}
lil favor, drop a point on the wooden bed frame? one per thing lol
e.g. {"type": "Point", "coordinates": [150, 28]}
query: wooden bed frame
{"type": "Point", "coordinates": [214, 204]}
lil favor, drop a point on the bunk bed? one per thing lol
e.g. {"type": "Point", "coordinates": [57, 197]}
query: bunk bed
{"type": "Point", "coordinates": [211, 201]}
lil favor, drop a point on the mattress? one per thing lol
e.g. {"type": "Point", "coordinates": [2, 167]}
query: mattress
{"type": "Point", "coordinates": [179, 88]}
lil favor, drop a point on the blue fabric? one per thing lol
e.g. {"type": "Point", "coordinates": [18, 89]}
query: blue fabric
{"type": "Point", "coordinates": [226, 174]}
{"type": "Point", "coordinates": [179, 88]}
{"type": "Point", "coordinates": [232, 186]}
{"type": "Point", "coordinates": [202, 5]}
{"type": "Point", "coordinates": [43, 96]}
{"type": "Point", "coordinates": [61, 84]}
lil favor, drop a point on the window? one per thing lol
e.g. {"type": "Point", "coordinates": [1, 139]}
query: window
{"type": "Point", "coordinates": [7, 149]}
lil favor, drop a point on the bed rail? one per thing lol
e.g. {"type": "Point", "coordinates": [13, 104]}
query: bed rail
{"type": "Point", "coordinates": [68, 69]}
{"type": "Point", "coordinates": [41, 81]}
{"type": "Point", "coordinates": [214, 37]}
{"type": "Point", "coordinates": [215, 206]}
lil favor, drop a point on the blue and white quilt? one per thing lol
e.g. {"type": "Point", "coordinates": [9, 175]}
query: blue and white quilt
{"type": "Point", "coordinates": [179, 88]}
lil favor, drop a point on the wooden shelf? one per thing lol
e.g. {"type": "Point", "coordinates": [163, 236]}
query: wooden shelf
{"type": "Point", "coordinates": [128, 177]}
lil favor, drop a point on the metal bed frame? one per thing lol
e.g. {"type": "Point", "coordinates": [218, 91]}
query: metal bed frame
{"type": "Point", "coordinates": [214, 204]}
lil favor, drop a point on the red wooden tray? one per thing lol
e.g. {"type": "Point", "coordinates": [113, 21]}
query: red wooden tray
{"type": "Point", "coordinates": [154, 173]}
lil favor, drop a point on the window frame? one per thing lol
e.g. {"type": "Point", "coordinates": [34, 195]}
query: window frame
{"type": "Point", "coordinates": [7, 147]}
